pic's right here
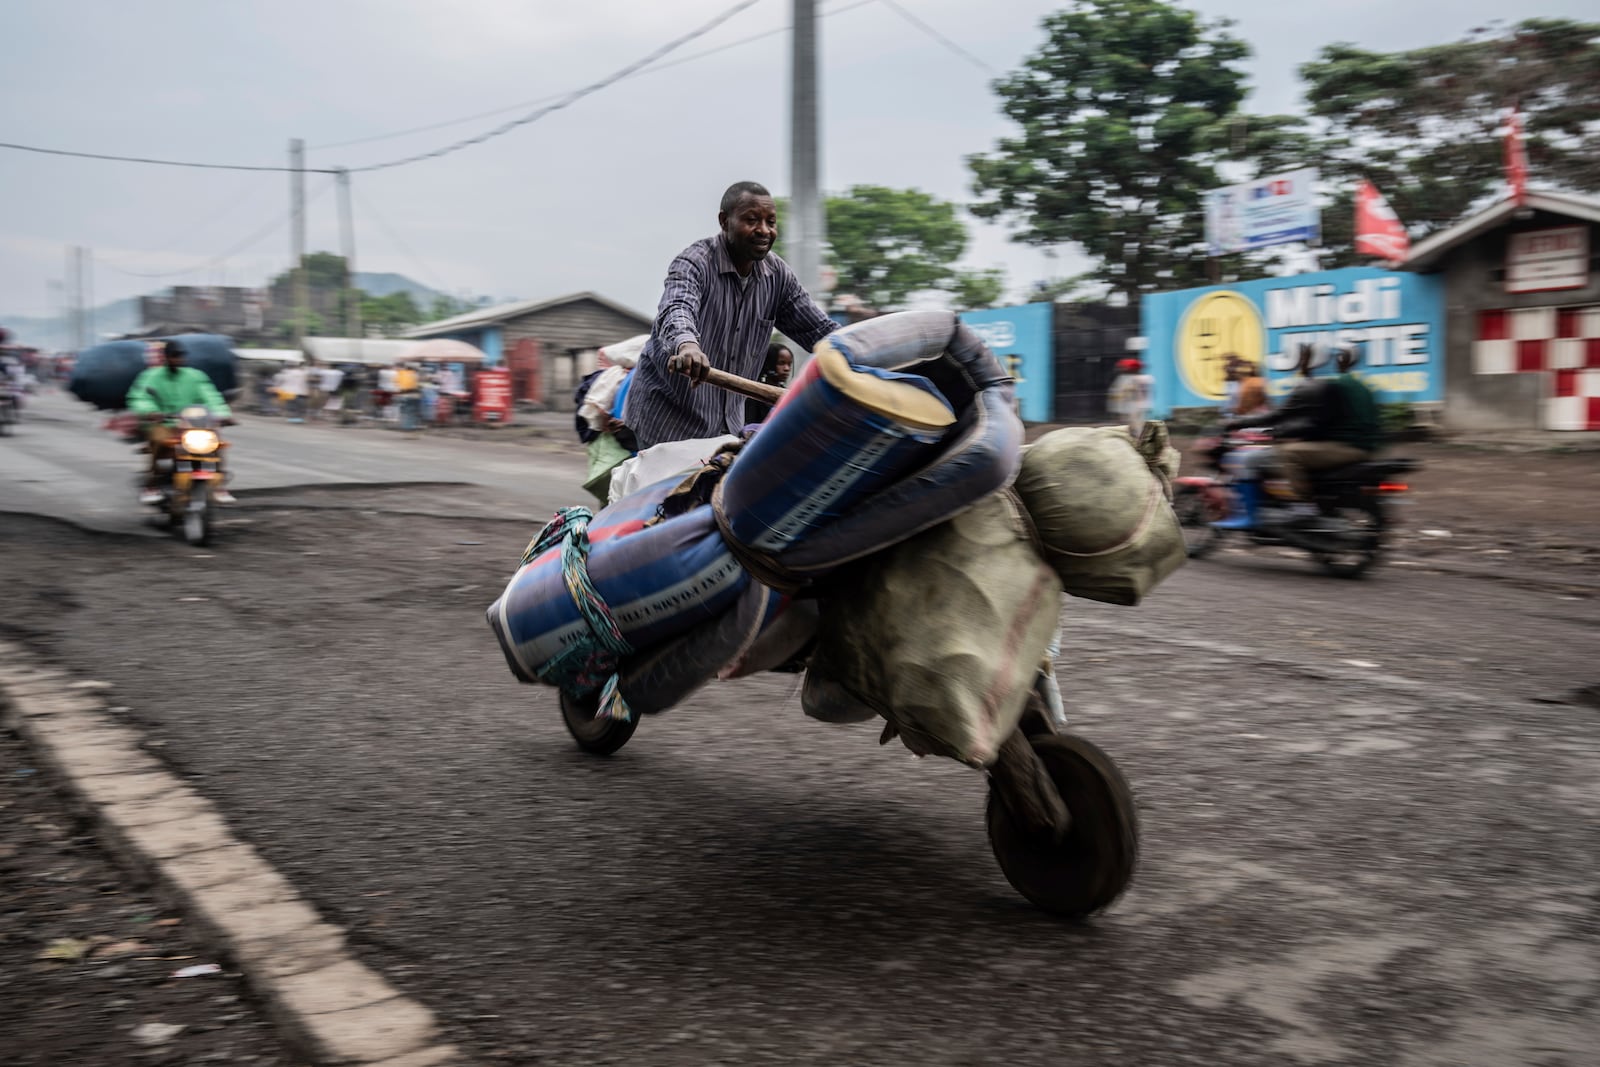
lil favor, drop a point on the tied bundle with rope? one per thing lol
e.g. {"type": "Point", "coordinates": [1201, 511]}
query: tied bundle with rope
{"type": "Point", "coordinates": [591, 663]}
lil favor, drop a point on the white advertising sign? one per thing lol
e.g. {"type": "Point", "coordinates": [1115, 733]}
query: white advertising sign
{"type": "Point", "coordinates": [1540, 260]}
{"type": "Point", "coordinates": [1278, 209]}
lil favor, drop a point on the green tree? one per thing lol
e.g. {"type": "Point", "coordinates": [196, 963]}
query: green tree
{"type": "Point", "coordinates": [887, 244]}
{"type": "Point", "coordinates": [324, 270]}
{"type": "Point", "coordinates": [976, 289]}
{"type": "Point", "coordinates": [1125, 112]}
{"type": "Point", "coordinates": [445, 307]}
{"type": "Point", "coordinates": [312, 325]}
{"type": "Point", "coordinates": [391, 314]}
{"type": "Point", "coordinates": [1426, 124]}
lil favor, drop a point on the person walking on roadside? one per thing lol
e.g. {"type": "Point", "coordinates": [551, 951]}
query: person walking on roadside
{"type": "Point", "coordinates": [329, 379]}
{"type": "Point", "coordinates": [295, 387]}
{"type": "Point", "coordinates": [384, 396]}
{"type": "Point", "coordinates": [1130, 395]}
{"type": "Point", "coordinates": [722, 299]}
{"type": "Point", "coordinates": [350, 395]}
{"type": "Point", "coordinates": [408, 386]}
{"type": "Point", "coordinates": [315, 397]}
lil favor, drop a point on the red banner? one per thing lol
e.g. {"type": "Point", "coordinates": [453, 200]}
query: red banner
{"type": "Point", "coordinates": [1379, 231]}
{"type": "Point", "coordinates": [1516, 160]}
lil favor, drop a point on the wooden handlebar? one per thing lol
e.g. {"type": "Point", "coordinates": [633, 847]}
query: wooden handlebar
{"type": "Point", "coordinates": [767, 394]}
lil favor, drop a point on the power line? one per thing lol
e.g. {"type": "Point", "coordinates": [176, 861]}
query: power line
{"type": "Point", "coordinates": [570, 98]}
{"type": "Point", "coordinates": [565, 101]}
{"type": "Point", "coordinates": [937, 36]}
{"type": "Point", "coordinates": [254, 239]}
{"type": "Point", "coordinates": [156, 162]}
{"type": "Point", "coordinates": [557, 96]}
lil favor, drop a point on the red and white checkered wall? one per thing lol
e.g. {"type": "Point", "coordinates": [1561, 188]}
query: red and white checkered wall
{"type": "Point", "coordinates": [1562, 344]}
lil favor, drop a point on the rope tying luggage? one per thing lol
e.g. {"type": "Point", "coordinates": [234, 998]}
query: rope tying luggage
{"type": "Point", "coordinates": [591, 662]}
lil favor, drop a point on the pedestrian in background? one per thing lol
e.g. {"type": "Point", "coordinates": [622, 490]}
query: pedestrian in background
{"type": "Point", "coordinates": [409, 388]}
{"type": "Point", "coordinates": [1130, 394]}
{"type": "Point", "coordinates": [775, 370]}
{"type": "Point", "coordinates": [293, 390]}
{"type": "Point", "coordinates": [328, 383]}
{"type": "Point", "coordinates": [384, 396]}
{"type": "Point", "coordinates": [350, 395]}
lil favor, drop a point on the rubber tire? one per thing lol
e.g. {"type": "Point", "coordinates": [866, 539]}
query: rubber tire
{"type": "Point", "coordinates": [1190, 505]}
{"type": "Point", "coordinates": [197, 525]}
{"type": "Point", "coordinates": [1367, 559]}
{"type": "Point", "coordinates": [1094, 863]}
{"type": "Point", "coordinates": [600, 737]}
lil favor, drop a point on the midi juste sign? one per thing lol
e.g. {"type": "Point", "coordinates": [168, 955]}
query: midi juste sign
{"type": "Point", "coordinates": [1393, 320]}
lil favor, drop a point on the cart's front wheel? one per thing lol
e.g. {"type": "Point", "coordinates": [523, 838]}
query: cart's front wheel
{"type": "Point", "coordinates": [600, 736]}
{"type": "Point", "coordinates": [1093, 863]}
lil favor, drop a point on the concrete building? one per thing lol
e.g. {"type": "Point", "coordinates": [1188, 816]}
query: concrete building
{"type": "Point", "coordinates": [547, 344]}
{"type": "Point", "coordinates": [1522, 314]}
{"type": "Point", "coordinates": [248, 315]}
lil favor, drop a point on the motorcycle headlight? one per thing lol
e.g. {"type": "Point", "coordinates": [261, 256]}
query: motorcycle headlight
{"type": "Point", "coordinates": [199, 441]}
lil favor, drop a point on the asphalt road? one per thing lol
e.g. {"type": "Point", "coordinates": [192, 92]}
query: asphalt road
{"type": "Point", "coordinates": [1369, 809]}
{"type": "Point", "coordinates": [60, 462]}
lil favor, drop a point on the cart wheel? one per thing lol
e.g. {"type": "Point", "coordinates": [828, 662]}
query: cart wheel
{"type": "Point", "coordinates": [599, 736]}
{"type": "Point", "coordinates": [1092, 865]}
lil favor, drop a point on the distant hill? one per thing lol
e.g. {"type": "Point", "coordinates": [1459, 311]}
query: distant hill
{"type": "Point", "coordinates": [51, 333]}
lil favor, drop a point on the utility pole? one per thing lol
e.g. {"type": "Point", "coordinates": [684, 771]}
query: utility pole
{"type": "Point", "coordinates": [69, 283]}
{"type": "Point", "coordinates": [347, 248]}
{"type": "Point", "coordinates": [297, 227]}
{"type": "Point", "coordinates": [78, 317]}
{"type": "Point", "coordinates": [88, 299]}
{"type": "Point", "coordinates": [805, 206]}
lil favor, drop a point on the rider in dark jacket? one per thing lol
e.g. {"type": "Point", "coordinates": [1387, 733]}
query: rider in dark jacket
{"type": "Point", "coordinates": [1324, 424]}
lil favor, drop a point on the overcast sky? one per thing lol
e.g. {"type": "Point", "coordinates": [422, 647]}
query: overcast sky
{"type": "Point", "coordinates": [599, 196]}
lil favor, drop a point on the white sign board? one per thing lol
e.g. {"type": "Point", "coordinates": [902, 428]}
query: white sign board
{"type": "Point", "coordinates": [1278, 209]}
{"type": "Point", "coordinates": [1541, 260]}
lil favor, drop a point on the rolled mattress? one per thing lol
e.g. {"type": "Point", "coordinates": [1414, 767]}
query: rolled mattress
{"type": "Point", "coordinates": [657, 581]}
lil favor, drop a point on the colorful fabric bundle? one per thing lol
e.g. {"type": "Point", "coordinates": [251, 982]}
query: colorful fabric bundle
{"type": "Point", "coordinates": [977, 454]}
{"type": "Point", "coordinates": [663, 676]}
{"type": "Point", "coordinates": [841, 432]}
{"type": "Point", "coordinates": [655, 581]}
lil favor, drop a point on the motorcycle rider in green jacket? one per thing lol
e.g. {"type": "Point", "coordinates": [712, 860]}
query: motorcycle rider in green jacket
{"type": "Point", "coordinates": [165, 390]}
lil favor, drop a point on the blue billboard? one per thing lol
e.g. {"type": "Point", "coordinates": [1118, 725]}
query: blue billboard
{"type": "Point", "coordinates": [1023, 339]}
{"type": "Point", "coordinates": [1394, 320]}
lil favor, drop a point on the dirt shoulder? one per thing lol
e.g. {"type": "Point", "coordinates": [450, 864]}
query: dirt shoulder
{"type": "Point", "coordinates": [87, 958]}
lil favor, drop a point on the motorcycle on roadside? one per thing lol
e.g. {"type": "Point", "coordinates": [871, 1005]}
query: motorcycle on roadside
{"type": "Point", "coordinates": [191, 476]}
{"type": "Point", "coordinates": [1355, 505]}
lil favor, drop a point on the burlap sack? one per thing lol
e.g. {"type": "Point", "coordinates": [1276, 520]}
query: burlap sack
{"type": "Point", "coordinates": [942, 634]}
{"type": "Point", "coordinates": [1101, 505]}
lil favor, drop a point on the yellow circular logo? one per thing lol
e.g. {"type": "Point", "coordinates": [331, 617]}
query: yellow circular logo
{"type": "Point", "coordinates": [1216, 326]}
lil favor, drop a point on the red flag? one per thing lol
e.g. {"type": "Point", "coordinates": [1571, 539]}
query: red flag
{"type": "Point", "coordinates": [1516, 160]}
{"type": "Point", "coordinates": [1379, 231]}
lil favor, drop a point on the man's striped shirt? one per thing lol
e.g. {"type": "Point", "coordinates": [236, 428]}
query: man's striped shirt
{"type": "Point", "coordinates": [732, 318]}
